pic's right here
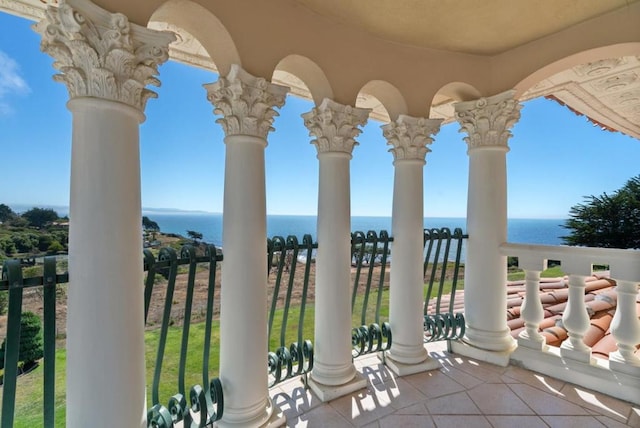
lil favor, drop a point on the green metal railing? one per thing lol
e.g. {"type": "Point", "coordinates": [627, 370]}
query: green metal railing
{"type": "Point", "coordinates": [293, 354]}
{"type": "Point", "coordinates": [14, 282]}
{"type": "Point", "coordinates": [205, 404]}
{"type": "Point", "coordinates": [290, 276]}
{"type": "Point", "coordinates": [442, 323]}
{"type": "Point", "coordinates": [369, 253]}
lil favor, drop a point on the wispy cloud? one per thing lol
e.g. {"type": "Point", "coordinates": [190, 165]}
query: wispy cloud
{"type": "Point", "coordinates": [10, 82]}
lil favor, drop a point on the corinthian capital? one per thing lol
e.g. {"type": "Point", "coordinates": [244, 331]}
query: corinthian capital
{"type": "Point", "coordinates": [100, 54]}
{"type": "Point", "coordinates": [410, 136]}
{"type": "Point", "coordinates": [245, 102]}
{"type": "Point", "coordinates": [487, 120]}
{"type": "Point", "coordinates": [335, 126]}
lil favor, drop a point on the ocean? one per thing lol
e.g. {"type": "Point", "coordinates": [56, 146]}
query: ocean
{"type": "Point", "coordinates": [529, 231]}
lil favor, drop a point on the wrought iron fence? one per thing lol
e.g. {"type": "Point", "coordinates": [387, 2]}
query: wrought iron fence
{"type": "Point", "coordinates": [290, 324]}
{"type": "Point", "coordinates": [442, 254]}
{"type": "Point", "coordinates": [370, 253]}
{"type": "Point", "coordinates": [13, 281]}
{"type": "Point", "coordinates": [205, 405]}
{"type": "Point", "coordinates": [182, 288]}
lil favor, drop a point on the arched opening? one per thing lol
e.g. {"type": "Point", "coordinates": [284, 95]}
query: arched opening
{"type": "Point", "coordinates": [203, 39]}
{"type": "Point", "coordinates": [305, 78]}
{"type": "Point", "coordinates": [385, 100]}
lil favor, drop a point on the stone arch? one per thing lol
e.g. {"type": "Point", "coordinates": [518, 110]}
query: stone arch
{"type": "Point", "coordinates": [385, 100]}
{"type": "Point", "coordinates": [456, 91]}
{"type": "Point", "coordinates": [584, 57]}
{"type": "Point", "coordinates": [441, 106]}
{"type": "Point", "coordinates": [294, 70]}
{"type": "Point", "coordinates": [204, 26]}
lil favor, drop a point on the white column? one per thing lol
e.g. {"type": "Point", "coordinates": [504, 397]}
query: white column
{"type": "Point", "coordinates": [409, 138]}
{"type": "Point", "coordinates": [246, 104]}
{"type": "Point", "coordinates": [335, 126]}
{"type": "Point", "coordinates": [106, 62]}
{"type": "Point", "coordinates": [487, 122]}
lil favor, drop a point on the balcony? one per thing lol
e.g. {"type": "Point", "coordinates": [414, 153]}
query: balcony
{"type": "Point", "coordinates": [541, 385]}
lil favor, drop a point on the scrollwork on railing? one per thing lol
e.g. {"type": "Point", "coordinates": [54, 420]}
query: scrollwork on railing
{"type": "Point", "coordinates": [289, 362]}
{"type": "Point", "coordinates": [443, 326]}
{"type": "Point", "coordinates": [205, 407]}
{"type": "Point", "coordinates": [372, 338]}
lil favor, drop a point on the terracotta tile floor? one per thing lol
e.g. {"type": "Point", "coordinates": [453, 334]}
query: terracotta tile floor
{"type": "Point", "coordinates": [462, 393]}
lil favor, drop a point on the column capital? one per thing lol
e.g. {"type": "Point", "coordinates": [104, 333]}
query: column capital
{"type": "Point", "coordinates": [335, 126]}
{"type": "Point", "coordinates": [245, 102]}
{"type": "Point", "coordinates": [487, 120]}
{"type": "Point", "coordinates": [410, 136]}
{"type": "Point", "coordinates": [101, 54]}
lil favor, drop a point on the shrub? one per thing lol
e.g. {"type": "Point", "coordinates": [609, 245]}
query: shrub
{"type": "Point", "coordinates": [31, 342]}
{"type": "Point", "coordinates": [55, 248]}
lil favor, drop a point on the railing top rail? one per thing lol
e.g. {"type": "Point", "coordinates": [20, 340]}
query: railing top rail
{"type": "Point", "coordinates": [624, 263]}
{"type": "Point", "coordinates": [35, 281]}
{"type": "Point", "coordinates": [559, 251]}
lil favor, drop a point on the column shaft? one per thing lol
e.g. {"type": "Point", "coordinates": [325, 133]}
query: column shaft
{"type": "Point", "coordinates": [105, 321]}
{"type": "Point", "coordinates": [332, 363]}
{"type": "Point", "coordinates": [244, 291]}
{"type": "Point", "coordinates": [485, 268]}
{"type": "Point", "coordinates": [406, 298]}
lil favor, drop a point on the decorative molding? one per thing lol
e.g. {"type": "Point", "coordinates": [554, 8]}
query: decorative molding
{"type": "Point", "coordinates": [100, 54]}
{"type": "Point", "coordinates": [410, 136]}
{"type": "Point", "coordinates": [335, 126]}
{"type": "Point", "coordinates": [487, 120]}
{"type": "Point", "coordinates": [23, 8]}
{"type": "Point", "coordinates": [245, 102]}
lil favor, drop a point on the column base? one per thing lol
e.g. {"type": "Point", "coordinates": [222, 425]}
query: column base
{"type": "Point", "coordinates": [499, 358]}
{"type": "Point", "coordinates": [403, 369]}
{"type": "Point", "coordinates": [497, 341]}
{"type": "Point", "coordinates": [331, 392]}
{"type": "Point", "coordinates": [271, 418]}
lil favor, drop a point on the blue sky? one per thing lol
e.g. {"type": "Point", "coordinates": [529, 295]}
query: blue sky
{"type": "Point", "coordinates": [556, 157]}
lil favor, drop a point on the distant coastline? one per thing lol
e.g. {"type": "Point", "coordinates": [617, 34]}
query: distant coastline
{"type": "Point", "coordinates": [547, 231]}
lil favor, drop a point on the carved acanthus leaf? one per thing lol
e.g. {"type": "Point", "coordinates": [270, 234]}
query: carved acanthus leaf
{"type": "Point", "coordinates": [335, 126]}
{"type": "Point", "coordinates": [245, 102]}
{"type": "Point", "coordinates": [100, 54]}
{"type": "Point", "coordinates": [487, 120]}
{"type": "Point", "coordinates": [410, 136]}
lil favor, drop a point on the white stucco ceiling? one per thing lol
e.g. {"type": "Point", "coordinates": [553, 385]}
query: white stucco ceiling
{"type": "Point", "coordinates": [469, 26]}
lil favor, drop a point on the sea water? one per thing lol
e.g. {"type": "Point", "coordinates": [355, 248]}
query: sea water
{"type": "Point", "coordinates": [529, 231]}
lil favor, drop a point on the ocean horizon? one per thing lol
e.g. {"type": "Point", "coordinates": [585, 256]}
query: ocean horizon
{"type": "Point", "coordinates": [530, 231]}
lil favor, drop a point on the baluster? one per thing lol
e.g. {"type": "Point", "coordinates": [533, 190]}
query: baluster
{"type": "Point", "coordinates": [532, 312]}
{"type": "Point", "coordinates": [576, 321]}
{"type": "Point", "coordinates": [625, 327]}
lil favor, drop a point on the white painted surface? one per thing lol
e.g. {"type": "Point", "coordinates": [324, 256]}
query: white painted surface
{"type": "Point", "coordinates": [105, 320]}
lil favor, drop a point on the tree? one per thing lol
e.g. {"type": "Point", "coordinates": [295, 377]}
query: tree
{"type": "Point", "coordinates": [194, 235]}
{"type": "Point", "coordinates": [31, 343]}
{"type": "Point", "coordinates": [40, 217]}
{"type": "Point", "coordinates": [6, 213]}
{"type": "Point", "coordinates": [150, 225]}
{"type": "Point", "coordinates": [607, 221]}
